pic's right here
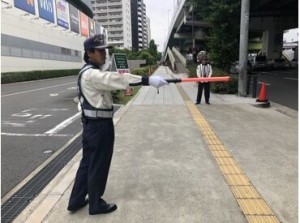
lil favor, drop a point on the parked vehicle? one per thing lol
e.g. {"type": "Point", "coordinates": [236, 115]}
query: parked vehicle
{"type": "Point", "coordinates": [260, 63]}
{"type": "Point", "coordinates": [280, 63]}
{"type": "Point", "coordinates": [234, 68]}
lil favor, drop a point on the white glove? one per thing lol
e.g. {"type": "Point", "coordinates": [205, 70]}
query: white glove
{"type": "Point", "coordinates": [157, 81]}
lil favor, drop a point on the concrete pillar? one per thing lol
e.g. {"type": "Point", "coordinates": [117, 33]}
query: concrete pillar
{"type": "Point", "coordinates": [273, 40]}
{"type": "Point", "coordinates": [243, 48]}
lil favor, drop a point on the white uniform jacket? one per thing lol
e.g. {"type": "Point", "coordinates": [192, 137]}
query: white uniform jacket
{"type": "Point", "coordinates": [96, 86]}
{"type": "Point", "coordinates": [204, 69]}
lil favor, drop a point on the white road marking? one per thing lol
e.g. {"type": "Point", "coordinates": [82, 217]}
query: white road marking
{"type": "Point", "coordinates": [31, 109]}
{"type": "Point", "coordinates": [264, 82]}
{"type": "Point", "coordinates": [63, 124]}
{"type": "Point", "coordinates": [34, 135]}
{"type": "Point", "coordinates": [14, 124]}
{"type": "Point", "coordinates": [23, 114]}
{"type": "Point", "coordinates": [57, 93]}
{"type": "Point", "coordinates": [38, 89]}
{"type": "Point", "coordinates": [290, 78]}
{"type": "Point", "coordinates": [45, 116]}
{"type": "Point", "coordinates": [35, 116]}
{"type": "Point", "coordinates": [47, 109]}
{"type": "Point", "coordinates": [57, 109]}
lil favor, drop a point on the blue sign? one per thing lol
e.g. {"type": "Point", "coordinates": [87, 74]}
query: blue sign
{"type": "Point", "coordinates": [26, 5]}
{"type": "Point", "coordinates": [46, 10]}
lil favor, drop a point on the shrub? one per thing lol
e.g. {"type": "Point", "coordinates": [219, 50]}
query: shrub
{"type": "Point", "coordinates": [230, 87]}
{"type": "Point", "coordinates": [12, 77]}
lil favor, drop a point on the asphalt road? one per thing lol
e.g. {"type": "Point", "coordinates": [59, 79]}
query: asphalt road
{"type": "Point", "coordinates": [281, 86]}
{"type": "Point", "coordinates": [37, 119]}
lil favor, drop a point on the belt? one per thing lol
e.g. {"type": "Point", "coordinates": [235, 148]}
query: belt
{"type": "Point", "coordinates": [98, 113]}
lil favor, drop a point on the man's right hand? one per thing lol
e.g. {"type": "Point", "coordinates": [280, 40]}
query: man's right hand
{"type": "Point", "coordinates": [157, 81]}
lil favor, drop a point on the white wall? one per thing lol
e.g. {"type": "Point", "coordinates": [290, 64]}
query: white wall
{"type": "Point", "coordinates": [30, 27]}
{"type": "Point", "coordinates": [13, 64]}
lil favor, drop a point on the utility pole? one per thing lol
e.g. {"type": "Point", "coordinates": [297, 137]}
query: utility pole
{"type": "Point", "coordinates": [243, 56]}
{"type": "Point", "coordinates": [193, 31]}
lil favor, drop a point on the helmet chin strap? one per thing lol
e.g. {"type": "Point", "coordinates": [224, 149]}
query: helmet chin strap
{"type": "Point", "coordinates": [106, 66]}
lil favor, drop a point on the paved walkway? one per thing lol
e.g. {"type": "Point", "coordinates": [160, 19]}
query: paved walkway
{"type": "Point", "coordinates": [228, 162]}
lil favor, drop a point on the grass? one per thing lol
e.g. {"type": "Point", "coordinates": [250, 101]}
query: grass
{"type": "Point", "coordinates": [123, 99]}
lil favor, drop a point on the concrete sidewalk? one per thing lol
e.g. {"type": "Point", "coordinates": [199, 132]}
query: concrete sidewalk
{"type": "Point", "coordinates": [164, 170]}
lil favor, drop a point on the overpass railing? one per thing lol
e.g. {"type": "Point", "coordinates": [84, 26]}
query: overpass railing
{"type": "Point", "coordinates": [171, 58]}
{"type": "Point", "coordinates": [180, 56]}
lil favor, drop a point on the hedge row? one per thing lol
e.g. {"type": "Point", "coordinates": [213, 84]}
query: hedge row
{"type": "Point", "coordinates": [35, 75]}
{"type": "Point", "coordinates": [13, 77]}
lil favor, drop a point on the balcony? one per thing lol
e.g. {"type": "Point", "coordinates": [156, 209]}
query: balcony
{"type": "Point", "coordinates": [114, 4]}
{"type": "Point", "coordinates": [116, 35]}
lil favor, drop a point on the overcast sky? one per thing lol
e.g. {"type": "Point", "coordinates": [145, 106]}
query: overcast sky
{"type": "Point", "coordinates": [291, 35]}
{"type": "Point", "coordinates": [158, 11]}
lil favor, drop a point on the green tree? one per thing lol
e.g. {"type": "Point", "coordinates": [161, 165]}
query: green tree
{"type": "Point", "coordinates": [153, 51]}
{"type": "Point", "coordinates": [152, 48]}
{"type": "Point", "coordinates": [224, 17]}
{"type": "Point", "coordinates": [145, 55]}
{"type": "Point", "coordinates": [151, 55]}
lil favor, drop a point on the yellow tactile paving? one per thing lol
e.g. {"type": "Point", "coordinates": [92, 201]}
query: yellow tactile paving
{"type": "Point", "coordinates": [212, 142]}
{"type": "Point", "coordinates": [245, 192]}
{"type": "Point", "coordinates": [211, 137]}
{"type": "Point", "coordinates": [225, 161]}
{"type": "Point", "coordinates": [255, 209]}
{"type": "Point", "coordinates": [217, 148]}
{"type": "Point", "coordinates": [262, 219]}
{"type": "Point", "coordinates": [222, 153]}
{"type": "Point", "coordinates": [207, 132]}
{"type": "Point", "coordinates": [237, 180]}
{"type": "Point", "coordinates": [231, 169]}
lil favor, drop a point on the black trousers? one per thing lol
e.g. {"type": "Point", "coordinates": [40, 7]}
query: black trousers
{"type": "Point", "coordinates": [206, 86]}
{"type": "Point", "coordinates": [97, 150]}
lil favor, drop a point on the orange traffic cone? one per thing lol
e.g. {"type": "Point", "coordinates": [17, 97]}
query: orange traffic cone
{"type": "Point", "coordinates": [262, 99]}
{"type": "Point", "coordinates": [262, 95]}
{"type": "Point", "coordinates": [128, 91]}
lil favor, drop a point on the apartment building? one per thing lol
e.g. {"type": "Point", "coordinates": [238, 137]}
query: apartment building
{"type": "Point", "coordinates": [125, 21]}
{"type": "Point", "coordinates": [115, 16]}
{"type": "Point", "coordinates": [139, 25]}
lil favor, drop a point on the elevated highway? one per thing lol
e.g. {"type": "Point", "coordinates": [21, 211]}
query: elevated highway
{"type": "Point", "coordinates": [268, 20]}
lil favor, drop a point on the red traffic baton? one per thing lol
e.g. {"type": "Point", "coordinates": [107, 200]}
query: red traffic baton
{"type": "Point", "coordinates": [199, 79]}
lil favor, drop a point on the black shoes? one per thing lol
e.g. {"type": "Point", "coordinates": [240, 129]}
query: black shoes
{"type": "Point", "coordinates": [197, 103]}
{"type": "Point", "coordinates": [74, 208]}
{"type": "Point", "coordinates": [107, 208]}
